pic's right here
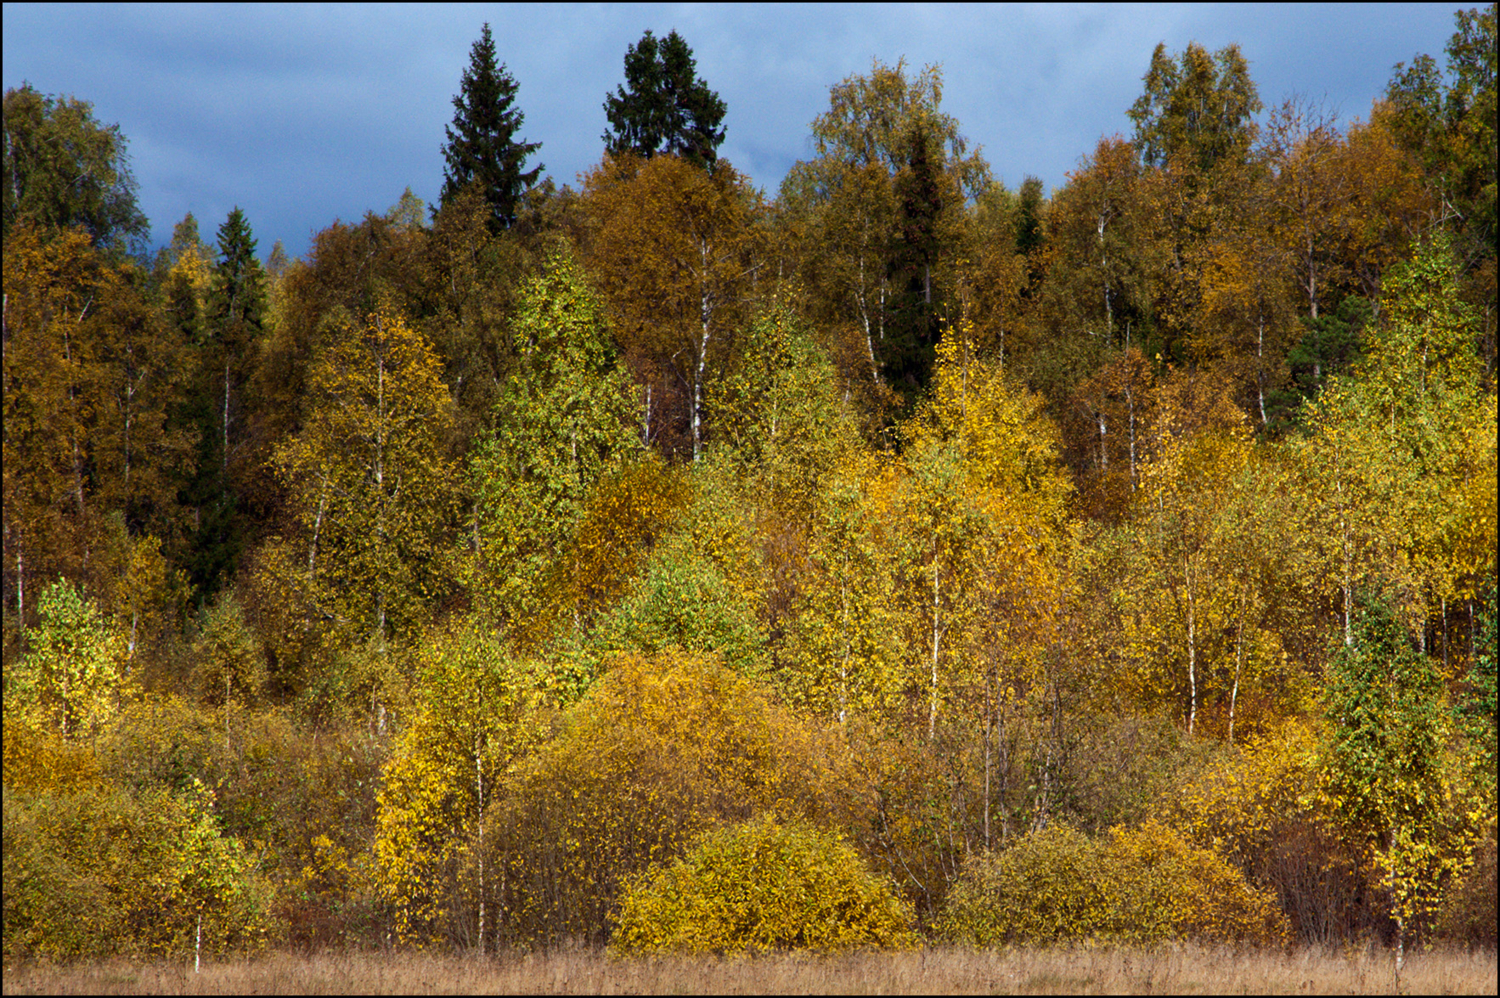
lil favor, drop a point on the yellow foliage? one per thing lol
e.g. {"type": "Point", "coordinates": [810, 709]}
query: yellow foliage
{"type": "Point", "coordinates": [1141, 885]}
{"type": "Point", "coordinates": [473, 721]}
{"type": "Point", "coordinates": [1241, 801]}
{"type": "Point", "coordinates": [39, 761]}
{"type": "Point", "coordinates": [762, 886]}
{"type": "Point", "coordinates": [658, 751]}
{"type": "Point", "coordinates": [106, 871]}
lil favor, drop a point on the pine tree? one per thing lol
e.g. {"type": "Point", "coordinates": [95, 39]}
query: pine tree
{"type": "Point", "coordinates": [481, 146]}
{"type": "Point", "coordinates": [232, 322]}
{"type": "Point", "coordinates": [668, 109]}
{"type": "Point", "coordinates": [912, 334]}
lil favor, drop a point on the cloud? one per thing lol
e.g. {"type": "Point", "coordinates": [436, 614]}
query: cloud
{"type": "Point", "coordinates": [304, 114]}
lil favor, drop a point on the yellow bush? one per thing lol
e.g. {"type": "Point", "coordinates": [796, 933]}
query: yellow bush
{"type": "Point", "coordinates": [1257, 806]}
{"type": "Point", "coordinates": [762, 886]}
{"type": "Point", "coordinates": [1161, 887]}
{"type": "Point", "coordinates": [1043, 888]}
{"type": "Point", "coordinates": [1140, 885]}
{"type": "Point", "coordinates": [659, 751]}
{"type": "Point", "coordinates": [107, 871]}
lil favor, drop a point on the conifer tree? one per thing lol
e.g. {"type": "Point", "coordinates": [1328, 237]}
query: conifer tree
{"type": "Point", "coordinates": [907, 351]}
{"type": "Point", "coordinates": [668, 109]}
{"type": "Point", "coordinates": [482, 147]}
{"type": "Point", "coordinates": [233, 317]}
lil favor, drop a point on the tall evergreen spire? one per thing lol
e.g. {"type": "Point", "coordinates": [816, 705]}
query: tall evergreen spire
{"type": "Point", "coordinates": [482, 145]}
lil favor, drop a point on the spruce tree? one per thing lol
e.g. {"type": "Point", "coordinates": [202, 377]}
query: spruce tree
{"type": "Point", "coordinates": [668, 108]}
{"type": "Point", "coordinates": [233, 317]}
{"type": "Point", "coordinates": [911, 337]}
{"type": "Point", "coordinates": [482, 146]}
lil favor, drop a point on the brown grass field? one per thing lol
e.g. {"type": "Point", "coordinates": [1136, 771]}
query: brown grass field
{"type": "Point", "coordinates": [1174, 969]}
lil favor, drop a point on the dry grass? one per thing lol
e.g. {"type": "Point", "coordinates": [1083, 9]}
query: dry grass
{"type": "Point", "coordinates": [1177, 969]}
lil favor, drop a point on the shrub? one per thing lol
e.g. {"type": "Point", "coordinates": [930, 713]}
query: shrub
{"type": "Point", "coordinates": [1043, 888]}
{"type": "Point", "coordinates": [1256, 806]}
{"type": "Point", "coordinates": [1468, 915]}
{"type": "Point", "coordinates": [761, 886]}
{"type": "Point", "coordinates": [659, 751]}
{"type": "Point", "coordinates": [1161, 887]}
{"type": "Point", "coordinates": [1142, 885]}
{"type": "Point", "coordinates": [107, 872]}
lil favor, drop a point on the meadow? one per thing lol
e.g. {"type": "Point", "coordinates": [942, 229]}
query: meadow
{"type": "Point", "coordinates": [1177, 969]}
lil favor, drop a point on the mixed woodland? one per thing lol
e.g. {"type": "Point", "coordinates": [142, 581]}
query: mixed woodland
{"type": "Point", "coordinates": [900, 559]}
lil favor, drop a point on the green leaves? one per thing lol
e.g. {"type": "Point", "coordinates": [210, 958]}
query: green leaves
{"type": "Point", "coordinates": [71, 678]}
{"type": "Point", "coordinates": [1198, 110]}
{"type": "Point", "coordinates": [107, 872]}
{"type": "Point", "coordinates": [668, 107]}
{"type": "Point", "coordinates": [1383, 707]}
{"type": "Point", "coordinates": [565, 418]}
{"type": "Point", "coordinates": [372, 486]}
{"type": "Point", "coordinates": [63, 168]}
{"type": "Point", "coordinates": [1382, 760]}
{"type": "Point", "coordinates": [482, 147]}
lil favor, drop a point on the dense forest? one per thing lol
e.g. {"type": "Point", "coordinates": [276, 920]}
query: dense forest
{"type": "Point", "coordinates": [658, 564]}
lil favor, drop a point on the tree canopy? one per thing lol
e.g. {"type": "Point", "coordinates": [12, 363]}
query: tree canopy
{"type": "Point", "coordinates": [483, 146]}
{"type": "Point", "coordinates": [62, 167]}
{"type": "Point", "coordinates": [664, 106]}
{"type": "Point", "coordinates": [660, 563]}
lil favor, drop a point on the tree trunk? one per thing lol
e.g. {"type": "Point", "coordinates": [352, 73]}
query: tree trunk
{"type": "Point", "coordinates": [479, 833]}
{"type": "Point", "coordinates": [1192, 649]}
{"type": "Point", "coordinates": [936, 643]}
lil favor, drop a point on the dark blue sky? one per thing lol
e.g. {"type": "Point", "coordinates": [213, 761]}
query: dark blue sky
{"type": "Point", "coordinates": [306, 114]}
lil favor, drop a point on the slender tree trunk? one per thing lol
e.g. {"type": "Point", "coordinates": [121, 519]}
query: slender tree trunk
{"type": "Point", "coordinates": [20, 598]}
{"type": "Point", "coordinates": [479, 833]}
{"type": "Point", "coordinates": [844, 664]}
{"type": "Point", "coordinates": [862, 300]}
{"type": "Point", "coordinates": [312, 550]}
{"type": "Point", "coordinates": [1192, 649]}
{"type": "Point", "coordinates": [936, 643]}
{"type": "Point", "coordinates": [1260, 368]}
{"type": "Point", "coordinates": [1239, 660]}
{"type": "Point", "coordinates": [987, 747]}
{"type": "Point", "coordinates": [1109, 312]}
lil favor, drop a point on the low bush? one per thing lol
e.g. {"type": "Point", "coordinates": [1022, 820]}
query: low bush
{"type": "Point", "coordinates": [111, 872]}
{"type": "Point", "coordinates": [1141, 885]}
{"type": "Point", "coordinates": [761, 886]}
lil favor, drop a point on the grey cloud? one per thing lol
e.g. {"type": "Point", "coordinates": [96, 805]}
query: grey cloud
{"type": "Point", "coordinates": [304, 114]}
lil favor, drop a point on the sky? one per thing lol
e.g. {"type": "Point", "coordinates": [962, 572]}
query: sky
{"type": "Point", "coordinates": [303, 115]}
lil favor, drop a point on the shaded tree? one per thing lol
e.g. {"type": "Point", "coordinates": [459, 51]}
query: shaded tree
{"type": "Point", "coordinates": [676, 255]}
{"type": "Point", "coordinates": [233, 321]}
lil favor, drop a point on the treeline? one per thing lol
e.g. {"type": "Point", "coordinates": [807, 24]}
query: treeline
{"type": "Point", "coordinates": [656, 564]}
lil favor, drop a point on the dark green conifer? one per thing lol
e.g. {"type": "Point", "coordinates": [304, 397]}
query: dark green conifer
{"type": "Point", "coordinates": [667, 108]}
{"type": "Point", "coordinates": [482, 147]}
